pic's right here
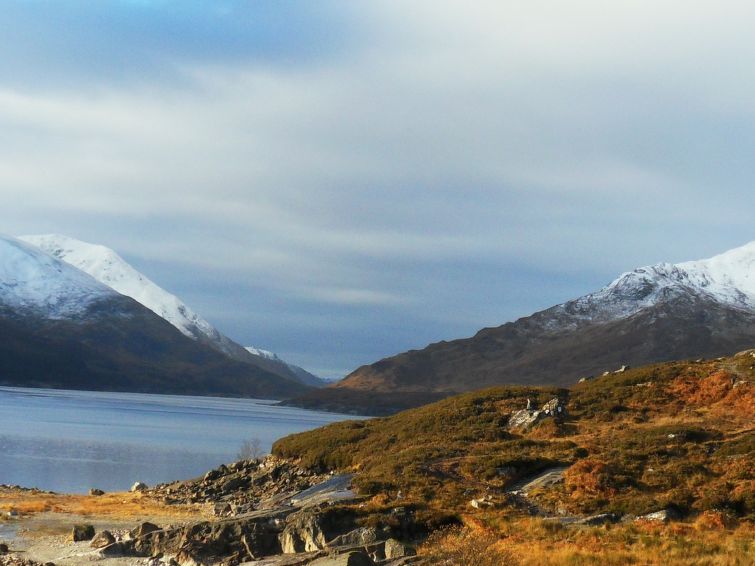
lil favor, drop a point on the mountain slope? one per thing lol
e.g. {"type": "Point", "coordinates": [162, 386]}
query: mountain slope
{"type": "Point", "coordinates": [107, 267]}
{"type": "Point", "coordinates": [676, 435]}
{"type": "Point", "coordinates": [61, 328]}
{"type": "Point", "coordinates": [656, 313]}
{"type": "Point", "coordinates": [299, 372]}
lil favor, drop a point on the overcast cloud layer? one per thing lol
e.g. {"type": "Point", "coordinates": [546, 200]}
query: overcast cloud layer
{"type": "Point", "coordinates": [341, 181]}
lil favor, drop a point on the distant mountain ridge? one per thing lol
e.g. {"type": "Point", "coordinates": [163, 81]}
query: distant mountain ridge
{"type": "Point", "coordinates": [61, 328]}
{"type": "Point", "coordinates": [110, 269]}
{"type": "Point", "coordinates": [651, 314]}
{"type": "Point", "coordinates": [303, 375]}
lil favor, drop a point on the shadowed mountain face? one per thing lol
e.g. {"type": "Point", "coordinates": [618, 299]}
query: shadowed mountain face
{"type": "Point", "coordinates": [61, 328]}
{"type": "Point", "coordinates": [110, 269]}
{"type": "Point", "coordinates": [652, 314]}
{"type": "Point", "coordinates": [118, 345]}
{"type": "Point", "coordinates": [531, 351]}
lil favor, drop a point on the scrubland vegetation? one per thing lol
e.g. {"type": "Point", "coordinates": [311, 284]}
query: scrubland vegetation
{"type": "Point", "coordinates": [676, 436]}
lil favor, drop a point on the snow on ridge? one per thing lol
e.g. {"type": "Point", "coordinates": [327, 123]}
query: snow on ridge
{"type": "Point", "coordinates": [31, 279]}
{"type": "Point", "coordinates": [300, 372]}
{"type": "Point", "coordinates": [267, 354]}
{"type": "Point", "coordinates": [107, 267]}
{"type": "Point", "coordinates": [728, 278]}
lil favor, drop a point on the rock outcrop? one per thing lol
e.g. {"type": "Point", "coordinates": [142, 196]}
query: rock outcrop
{"type": "Point", "coordinates": [269, 509]}
{"type": "Point", "coordinates": [242, 487]}
{"type": "Point", "coordinates": [525, 418]}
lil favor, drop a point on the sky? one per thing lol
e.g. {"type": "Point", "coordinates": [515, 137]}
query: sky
{"type": "Point", "coordinates": [340, 181]}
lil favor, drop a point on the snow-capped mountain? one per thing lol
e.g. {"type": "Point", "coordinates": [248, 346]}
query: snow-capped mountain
{"type": "Point", "coordinates": [61, 328]}
{"type": "Point", "coordinates": [31, 280]}
{"type": "Point", "coordinates": [654, 313]}
{"type": "Point", "coordinates": [110, 269]}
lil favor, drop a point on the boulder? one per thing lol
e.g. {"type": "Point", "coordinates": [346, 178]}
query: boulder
{"type": "Point", "coordinates": [554, 408]}
{"type": "Point", "coordinates": [96, 492]}
{"type": "Point", "coordinates": [309, 530]}
{"type": "Point", "coordinates": [480, 503]}
{"type": "Point", "coordinates": [143, 529]}
{"type": "Point", "coordinates": [138, 487]}
{"type": "Point", "coordinates": [211, 475]}
{"type": "Point", "coordinates": [82, 532]}
{"type": "Point", "coordinates": [396, 549]}
{"type": "Point", "coordinates": [102, 539]}
{"type": "Point", "coordinates": [524, 418]}
{"type": "Point", "coordinates": [303, 533]}
{"type": "Point", "coordinates": [662, 516]}
{"type": "Point", "coordinates": [358, 537]}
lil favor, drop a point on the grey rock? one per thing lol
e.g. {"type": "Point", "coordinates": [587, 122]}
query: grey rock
{"type": "Point", "coordinates": [102, 539]}
{"type": "Point", "coordinates": [543, 478]}
{"type": "Point", "coordinates": [143, 529]}
{"type": "Point", "coordinates": [360, 536]}
{"type": "Point", "coordinates": [138, 487]}
{"type": "Point", "coordinates": [303, 533]}
{"type": "Point", "coordinates": [480, 503]}
{"type": "Point", "coordinates": [96, 492]}
{"type": "Point", "coordinates": [663, 516]}
{"type": "Point", "coordinates": [396, 549]}
{"type": "Point", "coordinates": [524, 418]}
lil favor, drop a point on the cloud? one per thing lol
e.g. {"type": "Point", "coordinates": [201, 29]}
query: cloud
{"type": "Point", "coordinates": [352, 296]}
{"type": "Point", "coordinates": [428, 166]}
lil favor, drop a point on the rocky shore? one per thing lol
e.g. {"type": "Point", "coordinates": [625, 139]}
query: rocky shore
{"type": "Point", "coordinates": [268, 512]}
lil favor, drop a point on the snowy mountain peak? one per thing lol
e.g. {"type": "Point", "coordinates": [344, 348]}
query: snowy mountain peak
{"type": "Point", "coordinates": [32, 280]}
{"type": "Point", "coordinates": [728, 278]}
{"type": "Point", "coordinates": [110, 269]}
{"type": "Point", "coordinates": [106, 266]}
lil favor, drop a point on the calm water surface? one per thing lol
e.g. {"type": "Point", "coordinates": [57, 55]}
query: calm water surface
{"type": "Point", "coordinates": [71, 441]}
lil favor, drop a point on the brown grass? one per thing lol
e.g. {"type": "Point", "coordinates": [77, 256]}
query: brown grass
{"type": "Point", "coordinates": [535, 542]}
{"type": "Point", "coordinates": [113, 505]}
